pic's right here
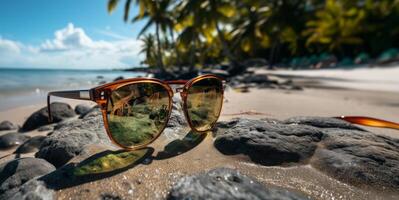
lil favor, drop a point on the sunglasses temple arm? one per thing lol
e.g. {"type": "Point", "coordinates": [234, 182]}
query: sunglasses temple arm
{"type": "Point", "coordinates": [369, 121]}
{"type": "Point", "coordinates": [71, 94]}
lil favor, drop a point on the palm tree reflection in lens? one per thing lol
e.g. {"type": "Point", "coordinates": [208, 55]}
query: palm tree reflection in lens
{"type": "Point", "coordinates": [137, 113]}
{"type": "Point", "coordinates": [204, 102]}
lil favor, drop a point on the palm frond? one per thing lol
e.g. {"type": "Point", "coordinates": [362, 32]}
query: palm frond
{"type": "Point", "coordinates": [112, 5]}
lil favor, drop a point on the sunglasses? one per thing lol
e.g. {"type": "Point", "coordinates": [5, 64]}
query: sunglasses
{"type": "Point", "coordinates": [136, 111]}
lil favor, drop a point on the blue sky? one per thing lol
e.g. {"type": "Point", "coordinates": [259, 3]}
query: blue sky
{"type": "Point", "coordinates": [66, 34]}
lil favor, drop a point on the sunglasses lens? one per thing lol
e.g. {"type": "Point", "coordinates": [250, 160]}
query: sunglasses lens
{"type": "Point", "coordinates": [204, 102]}
{"type": "Point", "coordinates": [137, 113]}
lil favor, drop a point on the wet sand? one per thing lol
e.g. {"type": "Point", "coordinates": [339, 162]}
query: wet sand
{"type": "Point", "coordinates": [153, 179]}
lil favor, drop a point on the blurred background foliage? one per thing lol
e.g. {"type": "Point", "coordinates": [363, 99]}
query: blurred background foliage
{"type": "Point", "coordinates": [192, 34]}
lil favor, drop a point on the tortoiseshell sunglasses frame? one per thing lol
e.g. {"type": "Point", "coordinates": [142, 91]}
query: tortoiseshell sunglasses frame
{"type": "Point", "coordinates": [101, 95]}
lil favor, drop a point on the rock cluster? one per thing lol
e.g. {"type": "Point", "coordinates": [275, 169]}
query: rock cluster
{"type": "Point", "coordinates": [251, 80]}
{"type": "Point", "coordinates": [333, 146]}
{"type": "Point", "coordinates": [39, 118]}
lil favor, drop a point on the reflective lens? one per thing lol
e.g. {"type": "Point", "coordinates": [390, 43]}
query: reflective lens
{"type": "Point", "coordinates": [204, 101]}
{"type": "Point", "coordinates": [137, 113]}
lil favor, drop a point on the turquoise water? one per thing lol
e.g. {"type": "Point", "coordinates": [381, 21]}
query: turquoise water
{"type": "Point", "coordinates": [16, 85]}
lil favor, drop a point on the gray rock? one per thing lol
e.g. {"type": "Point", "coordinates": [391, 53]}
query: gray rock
{"type": "Point", "coordinates": [321, 122]}
{"type": "Point", "coordinates": [82, 109]}
{"type": "Point", "coordinates": [17, 172]}
{"type": "Point", "coordinates": [7, 125]}
{"type": "Point", "coordinates": [12, 139]}
{"type": "Point", "coordinates": [333, 146]}
{"type": "Point", "coordinates": [359, 157]}
{"type": "Point", "coordinates": [31, 190]}
{"type": "Point", "coordinates": [93, 112]}
{"type": "Point", "coordinates": [177, 118]}
{"type": "Point", "coordinates": [268, 143]}
{"type": "Point", "coordinates": [31, 145]}
{"type": "Point", "coordinates": [223, 183]}
{"type": "Point", "coordinates": [69, 139]}
{"type": "Point", "coordinates": [39, 118]}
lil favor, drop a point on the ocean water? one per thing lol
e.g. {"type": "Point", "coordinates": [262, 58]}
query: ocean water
{"type": "Point", "coordinates": [28, 86]}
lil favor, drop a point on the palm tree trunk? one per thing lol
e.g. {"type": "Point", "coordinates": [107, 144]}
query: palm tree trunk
{"type": "Point", "coordinates": [225, 48]}
{"type": "Point", "coordinates": [271, 55]}
{"type": "Point", "coordinates": [192, 55]}
{"type": "Point", "coordinates": [178, 63]}
{"type": "Point", "coordinates": [159, 57]}
{"type": "Point", "coordinates": [235, 67]}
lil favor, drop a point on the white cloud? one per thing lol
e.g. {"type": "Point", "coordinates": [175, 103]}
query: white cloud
{"type": "Point", "coordinates": [8, 47]}
{"type": "Point", "coordinates": [71, 48]}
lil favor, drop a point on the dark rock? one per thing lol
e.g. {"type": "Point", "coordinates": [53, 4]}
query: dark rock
{"type": "Point", "coordinates": [7, 125]}
{"type": "Point", "coordinates": [102, 82]}
{"type": "Point", "coordinates": [12, 139]}
{"type": "Point", "coordinates": [45, 128]}
{"type": "Point", "coordinates": [223, 183]}
{"type": "Point", "coordinates": [359, 157]}
{"type": "Point", "coordinates": [258, 78]}
{"type": "Point", "coordinates": [333, 146]}
{"type": "Point", "coordinates": [268, 143]}
{"type": "Point", "coordinates": [39, 118]}
{"type": "Point", "coordinates": [69, 139]}
{"type": "Point", "coordinates": [17, 172]}
{"type": "Point", "coordinates": [31, 145]}
{"type": "Point", "coordinates": [100, 77]}
{"type": "Point", "coordinates": [250, 80]}
{"type": "Point", "coordinates": [119, 78]}
{"type": "Point", "coordinates": [82, 109]}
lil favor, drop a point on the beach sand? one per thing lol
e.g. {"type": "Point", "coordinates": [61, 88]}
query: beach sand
{"type": "Point", "coordinates": [257, 103]}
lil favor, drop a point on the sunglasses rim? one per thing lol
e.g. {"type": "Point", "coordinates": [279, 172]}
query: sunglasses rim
{"type": "Point", "coordinates": [185, 109]}
{"type": "Point", "coordinates": [110, 87]}
{"type": "Point", "coordinates": [106, 121]}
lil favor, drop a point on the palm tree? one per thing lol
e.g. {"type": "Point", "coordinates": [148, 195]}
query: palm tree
{"type": "Point", "coordinates": [208, 16]}
{"type": "Point", "coordinates": [248, 30]}
{"type": "Point", "coordinates": [149, 49]}
{"type": "Point", "coordinates": [156, 13]}
{"type": "Point", "coordinates": [335, 26]}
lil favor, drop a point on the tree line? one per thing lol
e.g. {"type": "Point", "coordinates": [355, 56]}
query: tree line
{"type": "Point", "coordinates": [189, 34]}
